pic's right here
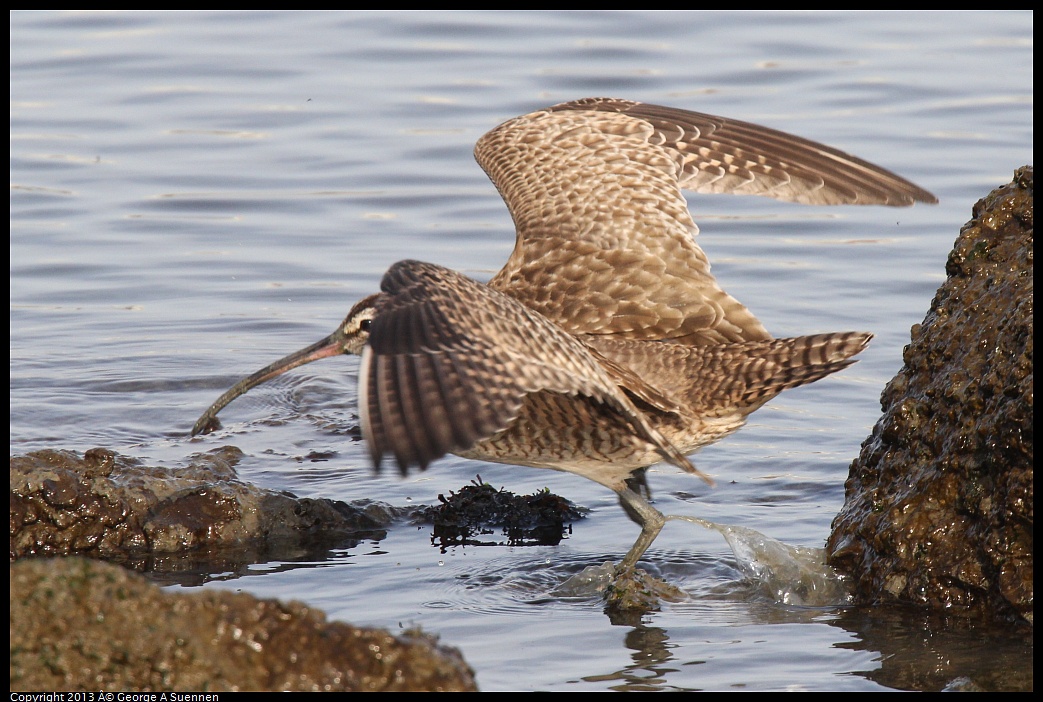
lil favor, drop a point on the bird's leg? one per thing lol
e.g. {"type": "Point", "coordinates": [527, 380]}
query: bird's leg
{"type": "Point", "coordinates": [651, 520]}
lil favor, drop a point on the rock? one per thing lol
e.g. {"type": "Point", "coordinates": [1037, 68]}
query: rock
{"type": "Point", "coordinates": [939, 504]}
{"type": "Point", "coordinates": [200, 516]}
{"type": "Point", "coordinates": [78, 624]}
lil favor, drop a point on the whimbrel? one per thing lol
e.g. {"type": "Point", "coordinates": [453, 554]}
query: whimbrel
{"type": "Point", "coordinates": [604, 345]}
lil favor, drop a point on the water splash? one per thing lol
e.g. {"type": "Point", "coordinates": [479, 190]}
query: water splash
{"type": "Point", "coordinates": [792, 575]}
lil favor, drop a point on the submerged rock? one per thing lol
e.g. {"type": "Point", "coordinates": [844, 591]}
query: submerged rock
{"type": "Point", "coordinates": [78, 624]}
{"type": "Point", "coordinates": [632, 593]}
{"type": "Point", "coordinates": [939, 503]}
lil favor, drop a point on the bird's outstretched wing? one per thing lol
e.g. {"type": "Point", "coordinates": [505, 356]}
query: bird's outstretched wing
{"type": "Point", "coordinates": [604, 236]}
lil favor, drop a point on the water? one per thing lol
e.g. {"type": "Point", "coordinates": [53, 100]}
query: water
{"type": "Point", "coordinates": [195, 194]}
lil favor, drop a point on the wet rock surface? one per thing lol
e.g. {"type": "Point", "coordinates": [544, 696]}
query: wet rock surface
{"type": "Point", "coordinates": [198, 517]}
{"type": "Point", "coordinates": [939, 503]}
{"type": "Point", "coordinates": [78, 624]}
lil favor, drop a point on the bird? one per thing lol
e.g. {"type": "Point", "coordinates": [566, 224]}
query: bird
{"type": "Point", "coordinates": [604, 345]}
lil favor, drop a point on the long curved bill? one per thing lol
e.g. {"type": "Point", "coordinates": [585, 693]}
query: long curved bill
{"type": "Point", "coordinates": [332, 345]}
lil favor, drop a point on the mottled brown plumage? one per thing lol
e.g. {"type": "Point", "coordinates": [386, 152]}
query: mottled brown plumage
{"type": "Point", "coordinates": [604, 345]}
{"type": "Point", "coordinates": [605, 241]}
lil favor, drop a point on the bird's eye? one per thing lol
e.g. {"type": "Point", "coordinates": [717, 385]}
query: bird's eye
{"type": "Point", "coordinates": [365, 324]}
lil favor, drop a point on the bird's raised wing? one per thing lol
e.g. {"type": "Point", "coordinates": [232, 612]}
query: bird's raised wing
{"type": "Point", "coordinates": [604, 236]}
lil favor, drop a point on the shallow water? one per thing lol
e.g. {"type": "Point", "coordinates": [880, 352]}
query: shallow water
{"type": "Point", "coordinates": [194, 195]}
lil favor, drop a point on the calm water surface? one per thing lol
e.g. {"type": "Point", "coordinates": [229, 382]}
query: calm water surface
{"type": "Point", "coordinates": [194, 195]}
